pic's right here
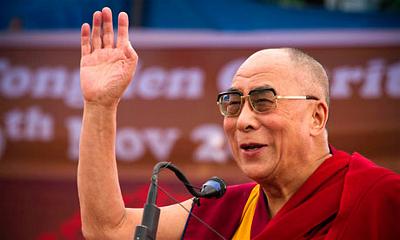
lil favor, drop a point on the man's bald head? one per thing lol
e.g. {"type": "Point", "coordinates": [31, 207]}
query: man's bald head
{"type": "Point", "coordinates": [310, 75]}
{"type": "Point", "coordinates": [317, 76]}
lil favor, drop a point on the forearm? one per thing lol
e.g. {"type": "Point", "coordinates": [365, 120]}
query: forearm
{"type": "Point", "coordinates": [100, 198]}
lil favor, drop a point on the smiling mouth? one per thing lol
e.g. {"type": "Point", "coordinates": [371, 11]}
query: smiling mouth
{"type": "Point", "coordinates": [251, 146]}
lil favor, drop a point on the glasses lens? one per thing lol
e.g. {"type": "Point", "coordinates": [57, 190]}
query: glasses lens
{"type": "Point", "coordinates": [262, 100]}
{"type": "Point", "coordinates": [229, 103]}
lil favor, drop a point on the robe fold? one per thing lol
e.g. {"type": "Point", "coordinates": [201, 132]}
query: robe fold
{"type": "Point", "coordinates": [347, 197]}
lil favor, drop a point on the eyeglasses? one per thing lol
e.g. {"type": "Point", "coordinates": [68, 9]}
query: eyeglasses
{"type": "Point", "coordinates": [261, 100]}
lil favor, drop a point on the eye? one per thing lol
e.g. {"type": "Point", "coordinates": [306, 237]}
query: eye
{"type": "Point", "coordinates": [262, 97]}
{"type": "Point", "coordinates": [233, 102]}
{"type": "Point", "coordinates": [263, 103]}
{"type": "Point", "coordinates": [262, 100]}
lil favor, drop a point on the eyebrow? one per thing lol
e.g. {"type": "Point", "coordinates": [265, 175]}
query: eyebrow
{"type": "Point", "coordinates": [266, 86]}
{"type": "Point", "coordinates": [233, 89]}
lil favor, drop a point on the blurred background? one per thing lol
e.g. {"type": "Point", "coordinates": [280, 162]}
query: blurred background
{"type": "Point", "coordinates": [189, 51]}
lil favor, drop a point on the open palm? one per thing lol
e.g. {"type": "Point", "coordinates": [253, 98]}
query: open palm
{"type": "Point", "coordinates": [106, 70]}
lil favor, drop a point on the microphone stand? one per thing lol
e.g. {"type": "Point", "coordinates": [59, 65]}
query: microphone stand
{"type": "Point", "coordinates": [147, 230]}
{"type": "Point", "coordinates": [151, 213]}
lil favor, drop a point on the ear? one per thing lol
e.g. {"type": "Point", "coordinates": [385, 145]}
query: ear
{"type": "Point", "coordinates": [319, 119]}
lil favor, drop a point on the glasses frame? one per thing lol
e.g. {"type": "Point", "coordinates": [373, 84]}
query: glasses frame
{"type": "Point", "coordinates": [243, 98]}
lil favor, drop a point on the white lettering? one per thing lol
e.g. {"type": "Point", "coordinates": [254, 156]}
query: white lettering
{"type": "Point", "coordinates": [130, 143]}
{"type": "Point", "coordinates": [14, 124]}
{"type": "Point", "coordinates": [39, 126]}
{"type": "Point", "coordinates": [151, 83]}
{"type": "Point", "coordinates": [157, 82]}
{"type": "Point", "coordinates": [185, 83]}
{"type": "Point", "coordinates": [31, 125]}
{"type": "Point", "coordinates": [161, 141]}
{"type": "Point", "coordinates": [73, 95]}
{"type": "Point", "coordinates": [213, 147]}
{"type": "Point", "coordinates": [343, 77]}
{"type": "Point", "coordinates": [15, 82]}
{"type": "Point", "coordinates": [393, 80]}
{"type": "Point", "coordinates": [373, 79]}
{"type": "Point", "coordinates": [59, 83]}
{"type": "Point", "coordinates": [129, 146]}
{"type": "Point", "coordinates": [50, 82]}
{"type": "Point", "coordinates": [130, 90]}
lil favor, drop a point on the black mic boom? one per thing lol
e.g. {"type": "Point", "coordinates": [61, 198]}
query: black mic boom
{"type": "Point", "coordinates": [147, 230]}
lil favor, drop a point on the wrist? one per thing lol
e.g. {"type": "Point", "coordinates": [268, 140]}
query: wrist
{"type": "Point", "coordinates": [96, 107]}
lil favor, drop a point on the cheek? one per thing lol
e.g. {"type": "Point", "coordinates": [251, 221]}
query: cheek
{"type": "Point", "coordinates": [229, 129]}
{"type": "Point", "coordinates": [273, 123]}
{"type": "Point", "coordinates": [287, 129]}
{"type": "Point", "coordinates": [229, 126]}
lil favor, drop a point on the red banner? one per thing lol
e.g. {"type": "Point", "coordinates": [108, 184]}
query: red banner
{"type": "Point", "coordinates": [169, 111]}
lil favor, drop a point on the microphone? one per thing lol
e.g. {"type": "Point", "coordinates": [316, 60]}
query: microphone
{"type": "Point", "coordinates": [147, 230]}
{"type": "Point", "coordinates": [213, 188]}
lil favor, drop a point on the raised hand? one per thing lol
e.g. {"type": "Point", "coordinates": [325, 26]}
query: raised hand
{"type": "Point", "coordinates": [106, 68]}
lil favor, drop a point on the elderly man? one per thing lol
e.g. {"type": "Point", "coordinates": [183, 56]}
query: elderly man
{"type": "Point", "coordinates": [275, 117]}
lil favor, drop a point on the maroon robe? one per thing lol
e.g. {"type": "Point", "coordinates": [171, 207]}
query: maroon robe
{"type": "Point", "coordinates": [347, 197]}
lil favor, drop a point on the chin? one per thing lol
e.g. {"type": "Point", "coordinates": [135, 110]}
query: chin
{"type": "Point", "coordinates": [255, 172]}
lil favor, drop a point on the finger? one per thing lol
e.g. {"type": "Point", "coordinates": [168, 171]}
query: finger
{"type": "Point", "coordinates": [85, 39]}
{"type": "Point", "coordinates": [130, 53]}
{"type": "Point", "coordinates": [123, 25]}
{"type": "Point", "coordinates": [96, 31]}
{"type": "Point", "coordinates": [108, 33]}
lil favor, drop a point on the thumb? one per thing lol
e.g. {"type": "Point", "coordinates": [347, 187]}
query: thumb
{"type": "Point", "coordinates": [130, 53]}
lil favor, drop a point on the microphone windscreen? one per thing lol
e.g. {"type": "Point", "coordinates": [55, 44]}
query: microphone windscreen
{"type": "Point", "coordinates": [214, 187]}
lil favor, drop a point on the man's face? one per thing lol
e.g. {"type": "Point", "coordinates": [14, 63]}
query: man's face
{"type": "Point", "coordinates": [267, 145]}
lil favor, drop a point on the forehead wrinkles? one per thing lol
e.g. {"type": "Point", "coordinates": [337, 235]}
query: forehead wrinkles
{"type": "Point", "coordinates": [275, 74]}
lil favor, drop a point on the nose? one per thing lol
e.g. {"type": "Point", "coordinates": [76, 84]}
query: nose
{"type": "Point", "coordinates": [247, 119]}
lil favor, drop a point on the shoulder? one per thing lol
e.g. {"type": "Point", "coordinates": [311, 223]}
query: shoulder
{"type": "Point", "coordinates": [372, 184]}
{"type": "Point", "coordinates": [370, 201]}
{"type": "Point", "coordinates": [367, 184]}
{"type": "Point", "coordinates": [363, 175]}
{"type": "Point", "coordinates": [374, 214]}
{"type": "Point", "coordinates": [383, 190]}
{"type": "Point", "coordinates": [368, 178]}
{"type": "Point", "coordinates": [364, 169]}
